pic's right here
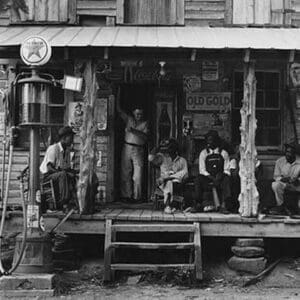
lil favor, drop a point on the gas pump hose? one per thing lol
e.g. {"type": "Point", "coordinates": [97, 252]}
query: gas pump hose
{"type": "Point", "coordinates": [24, 208]}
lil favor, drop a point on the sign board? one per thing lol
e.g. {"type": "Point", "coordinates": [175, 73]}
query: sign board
{"type": "Point", "coordinates": [208, 101]}
{"type": "Point", "coordinates": [295, 74]}
{"type": "Point", "coordinates": [210, 70]}
{"type": "Point", "coordinates": [191, 83]}
{"type": "Point", "coordinates": [35, 51]}
{"type": "Point", "coordinates": [100, 113]}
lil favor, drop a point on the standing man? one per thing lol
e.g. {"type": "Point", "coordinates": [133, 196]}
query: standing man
{"type": "Point", "coordinates": [214, 172]}
{"type": "Point", "coordinates": [56, 166]}
{"type": "Point", "coordinates": [132, 159]}
{"type": "Point", "coordinates": [286, 185]}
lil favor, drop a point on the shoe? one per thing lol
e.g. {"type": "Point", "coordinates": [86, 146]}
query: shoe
{"type": "Point", "coordinates": [173, 210]}
{"type": "Point", "coordinates": [223, 210]}
{"type": "Point", "coordinates": [168, 210]}
{"type": "Point", "coordinates": [209, 208]}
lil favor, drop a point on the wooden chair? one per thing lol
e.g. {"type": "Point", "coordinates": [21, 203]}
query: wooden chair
{"type": "Point", "coordinates": [159, 200]}
{"type": "Point", "coordinates": [48, 194]}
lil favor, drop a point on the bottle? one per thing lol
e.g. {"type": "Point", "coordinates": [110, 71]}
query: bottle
{"type": "Point", "coordinates": [164, 124]}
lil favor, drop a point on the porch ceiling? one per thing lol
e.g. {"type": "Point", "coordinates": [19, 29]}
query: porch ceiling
{"type": "Point", "coordinates": [163, 37]}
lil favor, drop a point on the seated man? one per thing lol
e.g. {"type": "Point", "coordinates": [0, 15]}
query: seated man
{"type": "Point", "coordinates": [56, 166]}
{"type": "Point", "coordinates": [213, 176]}
{"type": "Point", "coordinates": [173, 170]}
{"type": "Point", "coordinates": [286, 185]}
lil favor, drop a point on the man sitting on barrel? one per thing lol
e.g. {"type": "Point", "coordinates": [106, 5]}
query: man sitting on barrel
{"type": "Point", "coordinates": [56, 166]}
{"type": "Point", "coordinates": [212, 186]}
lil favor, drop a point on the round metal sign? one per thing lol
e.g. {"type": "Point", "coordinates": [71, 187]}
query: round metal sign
{"type": "Point", "coordinates": [35, 51]}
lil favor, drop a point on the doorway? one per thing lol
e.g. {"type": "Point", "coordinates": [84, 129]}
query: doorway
{"type": "Point", "coordinates": [133, 95]}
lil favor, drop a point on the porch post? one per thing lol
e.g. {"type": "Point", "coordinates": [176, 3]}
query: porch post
{"type": "Point", "coordinates": [249, 196]}
{"type": "Point", "coordinates": [87, 135]}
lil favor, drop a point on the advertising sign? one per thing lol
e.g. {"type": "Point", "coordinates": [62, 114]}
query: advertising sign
{"type": "Point", "coordinates": [210, 70]}
{"type": "Point", "coordinates": [208, 101]}
{"type": "Point", "coordinates": [35, 51]}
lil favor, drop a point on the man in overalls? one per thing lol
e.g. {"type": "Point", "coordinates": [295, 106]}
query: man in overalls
{"type": "Point", "coordinates": [132, 159]}
{"type": "Point", "coordinates": [214, 173]}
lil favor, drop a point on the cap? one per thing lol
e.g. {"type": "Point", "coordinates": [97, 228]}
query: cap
{"type": "Point", "coordinates": [64, 131]}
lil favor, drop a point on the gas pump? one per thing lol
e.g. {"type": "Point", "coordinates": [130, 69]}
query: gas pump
{"type": "Point", "coordinates": [33, 247]}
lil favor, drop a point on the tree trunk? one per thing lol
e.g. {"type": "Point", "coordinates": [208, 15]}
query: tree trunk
{"type": "Point", "coordinates": [87, 136]}
{"type": "Point", "coordinates": [249, 196]}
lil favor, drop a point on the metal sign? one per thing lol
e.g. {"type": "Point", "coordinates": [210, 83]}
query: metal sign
{"type": "Point", "coordinates": [208, 101]}
{"type": "Point", "coordinates": [35, 51]}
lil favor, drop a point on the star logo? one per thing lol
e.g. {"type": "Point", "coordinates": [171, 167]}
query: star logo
{"type": "Point", "coordinates": [35, 51]}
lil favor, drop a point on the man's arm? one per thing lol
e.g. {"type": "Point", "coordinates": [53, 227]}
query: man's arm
{"type": "Point", "coordinates": [182, 172]}
{"type": "Point", "coordinates": [202, 167]}
{"type": "Point", "coordinates": [277, 171]}
{"type": "Point", "coordinates": [122, 114]}
{"type": "Point", "coordinates": [143, 134]}
{"type": "Point", "coordinates": [226, 162]}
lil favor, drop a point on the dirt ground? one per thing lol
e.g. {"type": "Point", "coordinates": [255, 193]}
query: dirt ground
{"type": "Point", "coordinates": [220, 283]}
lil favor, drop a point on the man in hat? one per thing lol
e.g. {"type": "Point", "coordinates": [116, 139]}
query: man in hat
{"type": "Point", "coordinates": [213, 183]}
{"type": "Point", "coordinates": [286, 185]}
{"type": "Point", "coordinates": [132, 158]}
{"type": "Point", "coordinates": [56, 166]}
{"type": "Point", "coordinates": [173, 170]}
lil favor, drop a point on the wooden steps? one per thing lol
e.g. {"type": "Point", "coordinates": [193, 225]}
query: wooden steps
{"type": "Point", "coordinates": [111, 244]}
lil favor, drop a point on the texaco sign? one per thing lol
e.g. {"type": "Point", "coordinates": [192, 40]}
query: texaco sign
{"type": "Point", "coordinates": [35, 51]}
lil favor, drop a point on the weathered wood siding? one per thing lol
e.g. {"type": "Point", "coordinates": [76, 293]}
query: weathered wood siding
{"type": "Point", "coordinates": [204, 12]}
{"type": "Point", "coordinates": [97, 7]}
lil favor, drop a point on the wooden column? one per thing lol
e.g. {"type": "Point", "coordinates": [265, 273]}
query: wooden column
{"type": "Point", "coordinates": [249, 196]}
{"type": "Point", "coordinates": [87, 135]}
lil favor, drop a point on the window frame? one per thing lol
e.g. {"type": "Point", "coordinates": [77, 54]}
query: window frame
{"type": "Point", "coordinates": [280, 108]}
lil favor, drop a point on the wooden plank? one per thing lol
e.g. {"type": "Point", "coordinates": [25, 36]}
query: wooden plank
{"type": "Point", "coordinates": [179, 216]}
{"type": "Point", "coordinates": [53, 10]}
{"type": "Point", "coordinates": [150, 267]}
{"type": "Point", "coordinates": [288, 12]}
{"type": "Point", "coordinates": [157, 215]}
{"type": "Point", "coordinates": [114, 213]}
{"type": "Point", "coordinates": [276, 12]}
{"type": "Point", "coordinates": [198, 252]}
{"type": "Point", "coordinates": [72, 9]}
{"type": "Point", "coordinates": [135, 215]}
{"type": "Point", "coordinates": [203, 6]}
{"type": "Point", "coordinates": [98, 5]}
{"type": "Point", "coordinates": [40, 13]}
{"type": "Point", "coordinates": [207, 15]}
{"type": "Point", "coordinates": [30, 5]}
{"type": "Point", "coordinates": [161, 227]}
{"type": "Point", "coordinates": [107, 251]}
{"type": "Point", "coordinates": [262, 12]}
{"type": "Point", "coordinates": [63, 12]}
{"type": "Point", "coordinates": [175, 246]}
{"type": "Point", "coordinates": [124, 214]}
{"type": "Point", "coordinates": [180, 12]}
{"type": "Point", "coordinates": [146, 215]}
{"type": "Point", "coordinates": [102, 12]}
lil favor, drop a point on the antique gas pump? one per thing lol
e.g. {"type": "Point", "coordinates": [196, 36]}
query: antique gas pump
{"type": "Point", "coordinates": [34, 96]}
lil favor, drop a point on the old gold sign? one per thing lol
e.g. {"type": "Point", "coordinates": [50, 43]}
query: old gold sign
{"type": "Point", "coordinates": [208, 101]}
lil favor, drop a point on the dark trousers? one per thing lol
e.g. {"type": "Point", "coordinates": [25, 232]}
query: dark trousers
{"type": "Point", "coordinates": [64, 186]}
{"type": "Point", "coordinates": [203, 191]}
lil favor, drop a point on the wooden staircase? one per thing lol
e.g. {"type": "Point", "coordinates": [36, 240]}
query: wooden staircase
{"type": "Point", "coordinates": [111, 243]}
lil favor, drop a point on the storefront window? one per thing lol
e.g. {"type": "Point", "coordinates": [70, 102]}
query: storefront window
{"type": "Point", "coordinates": [268, 134]}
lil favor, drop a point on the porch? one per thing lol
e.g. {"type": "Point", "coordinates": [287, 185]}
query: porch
{"type": "Point", "coordinates": [211, 224]}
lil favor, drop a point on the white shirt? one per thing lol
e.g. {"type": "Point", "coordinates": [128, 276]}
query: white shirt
{"type": "Point", "coordinates": [56, 155]}
{"type": "Point", "coordinates": [176, 168]}
{"type": "Point", "coordinates": [202, 157]}
{"type": "Point", "coordinates": [285, 169]}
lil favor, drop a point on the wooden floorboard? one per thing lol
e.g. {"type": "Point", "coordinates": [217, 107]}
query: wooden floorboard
{"type": "Point", "coordinates": [146, 215]}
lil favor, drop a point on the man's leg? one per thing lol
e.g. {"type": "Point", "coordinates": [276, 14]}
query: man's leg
{"type": "Point", "coordinates": [61, 181]}
{"type": "Point", "coordinates": [138, 170]}
{"type": "Point", "coordinates": [278, 189]}
{"type": "Point", "coordinates": [203, 191]}
{"type": "Point", "coordinates": [126, 172]}
{"type": "Point", "coordinates": [226, 200]}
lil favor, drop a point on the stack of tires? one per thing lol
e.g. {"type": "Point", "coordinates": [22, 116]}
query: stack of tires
{"type": "Point", "coordinates": [248, 256]}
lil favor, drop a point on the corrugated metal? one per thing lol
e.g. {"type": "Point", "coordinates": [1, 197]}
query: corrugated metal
{"type": "Point", "coordinates": [169, 37]}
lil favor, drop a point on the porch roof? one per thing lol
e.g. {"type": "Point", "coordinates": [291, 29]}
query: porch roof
{"type": "Point", "coordinates": [162, 37]}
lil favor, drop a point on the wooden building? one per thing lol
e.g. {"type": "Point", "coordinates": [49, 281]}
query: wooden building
{"type": "Point", "coordinates": [198, 62]}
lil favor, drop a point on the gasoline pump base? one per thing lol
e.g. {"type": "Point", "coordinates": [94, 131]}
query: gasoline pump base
{"type": "Point", "coordinates": [29, 285]}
